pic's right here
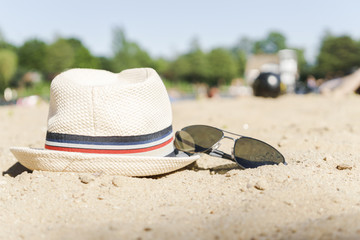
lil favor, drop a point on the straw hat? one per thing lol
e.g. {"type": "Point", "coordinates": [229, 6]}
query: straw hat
{"type": "Point", "coordinates": [104, 122]}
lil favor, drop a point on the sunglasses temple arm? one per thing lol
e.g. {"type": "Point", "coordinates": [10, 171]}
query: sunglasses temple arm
{"type": "Point", "coordinates": [220, 154]}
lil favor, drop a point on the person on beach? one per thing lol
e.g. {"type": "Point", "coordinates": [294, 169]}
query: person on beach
{"type": "Point", "coordinates": [341, 86]}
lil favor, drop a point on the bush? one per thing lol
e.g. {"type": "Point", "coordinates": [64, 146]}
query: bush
{"type": "Point", "coordinates": [8, 65]}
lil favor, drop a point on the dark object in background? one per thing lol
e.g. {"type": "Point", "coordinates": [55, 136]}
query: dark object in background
{"type": "Point", "coordinates": [267, 84]}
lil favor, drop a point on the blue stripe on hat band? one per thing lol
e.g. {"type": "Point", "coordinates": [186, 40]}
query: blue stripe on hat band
{"type": "Point", "coordinates": [108, 140]}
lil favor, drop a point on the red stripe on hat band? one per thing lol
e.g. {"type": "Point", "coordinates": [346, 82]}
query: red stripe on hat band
{"type": "Point", "coordinates": [109, 151]}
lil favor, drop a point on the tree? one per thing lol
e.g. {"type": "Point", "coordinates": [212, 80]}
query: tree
{"type": "Point", "coordinates": [59, 56]}
{"type": "Point", "coordinates": [6, 45]}
{"type": "Point", "coordinates": [161, 65]}
{"type": "Point", "coordinates": [82, 56]}
{"type": "Point", "coordinates": [303, 66]}
{"type": "Point", "coordinates": [338, 56]}
{"type": "Point", "coordinates": [31, 55]}
{"type": "Point", "coordinates": [8, 65]}
{"type": "Point", "coordinates": [240, 52]}
{"type": "Point", "coordinates": [191, 67]}
{"type": "Point", "coordinates": [2, 39]}
{"type": "Point", "coordinates": [274, 42]}
{"type": "Point", "coordinates": [105, 63]}
{"type": "Point", "coordinates": [128, 54]}
{"type": "Point", "coordinates": [240, 58]}
{"type": "Point", "coordinates": [245, 45]}
{"type": "Point", "coordinates": [198, 66]}
{"type": "Point", "coordinates": [222, 66]}
{"type": "Point", "coordinates": [179, 69]}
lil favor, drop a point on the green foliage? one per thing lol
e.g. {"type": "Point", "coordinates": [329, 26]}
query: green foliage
{"type": "Point", "coordinates": [41, 88]}
{"type": "Point", "coordinates": [218, 66]}
{"type": "Point", "coordinates": [105, 63]}
{"type": "Point", "coordinates": [191, 67]}
{"type": "Point", "coordinates": [198, 66]}
{"type": "Point", "coordinates": [245, 45]}
{"type": "Point", "coordinates": [182, 86]}
{"type": "Point", "coordinates": [82, 56]}
{"type": "Point", "coordinates": [6, 45]}
{"type": "Point", "coordinates": [239, 56]}
{"type": "Point", "coordinates": [68, 53]}
{"type": "Point", "coordinates": [222, 67]}
{"type": "Point", "coordinates": [304, 68]}
{"type": "Point", "coordinates": [161, 65]}
{"type": "Point", "coordinates": [179, 69]}
{"type": "Point", "coordinates": [8, 65]}
{"type": "Point", "coordinates": [31, 55]}
{"type": "Point", "coordinates": [274, 42]}
{"type": "Point", "coordinates": [128, 54]}
{"type": "Point", "coordinates": [59, 56]}
{"type": "Point", "coordinates": [338, 56]}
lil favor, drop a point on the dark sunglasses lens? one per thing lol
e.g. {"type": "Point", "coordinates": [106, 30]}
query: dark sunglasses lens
{"type": "Point", "coordinates": [184, 142]}
{"type": "Point", "coordinates": [251, 153]}
{"type": "Point", "coordinates": [197, 138]}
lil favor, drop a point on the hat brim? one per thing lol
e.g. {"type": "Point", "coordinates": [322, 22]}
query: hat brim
{"type": "Point", "coordinates": [113, 164]}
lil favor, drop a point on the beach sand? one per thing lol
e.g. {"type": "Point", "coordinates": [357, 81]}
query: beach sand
{"type": "Point", "coordinates": [315, 196]}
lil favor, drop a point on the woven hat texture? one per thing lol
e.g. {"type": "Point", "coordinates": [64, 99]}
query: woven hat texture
{"type": "Point", "coordinates": [105, 122]}
{"type": "Point", "coordinates": [101, 103]}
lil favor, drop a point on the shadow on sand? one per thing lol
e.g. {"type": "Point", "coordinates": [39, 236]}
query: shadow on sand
{"type": "Point", "coordinates": [16, 169]}
{"type": "Point", "coordinates": [222, 169]}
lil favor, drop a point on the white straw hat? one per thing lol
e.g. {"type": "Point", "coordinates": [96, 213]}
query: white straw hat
{"type": "Point", "coordinates": [104, 122]}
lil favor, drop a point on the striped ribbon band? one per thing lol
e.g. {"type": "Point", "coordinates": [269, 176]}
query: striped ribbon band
{"type": "Point", "coordinates": [158, 143]}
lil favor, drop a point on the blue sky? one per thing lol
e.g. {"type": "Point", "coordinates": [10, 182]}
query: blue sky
{"type": "Point", "coordinates": [166, 28]}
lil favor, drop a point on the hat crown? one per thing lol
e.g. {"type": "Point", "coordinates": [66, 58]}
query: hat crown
{"type": "Point", "coordinates": [100, 103]}
{"type": "Point", "coordinates": [95, 111]}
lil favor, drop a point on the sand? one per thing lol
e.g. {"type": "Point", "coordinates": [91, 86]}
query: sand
{"type": "Point", "coordinates": [315, 196]}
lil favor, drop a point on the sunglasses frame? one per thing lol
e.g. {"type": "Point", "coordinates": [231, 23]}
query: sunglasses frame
{"type": "Point", "coordinates": [213, 150]}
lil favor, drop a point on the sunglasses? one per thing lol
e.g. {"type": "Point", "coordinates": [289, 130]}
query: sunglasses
{"type": "Point", "coordinates": [247, 152]}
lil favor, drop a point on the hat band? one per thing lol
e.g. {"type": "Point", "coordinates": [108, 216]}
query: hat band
{"type": "Point", "coordinates": [158, 143]}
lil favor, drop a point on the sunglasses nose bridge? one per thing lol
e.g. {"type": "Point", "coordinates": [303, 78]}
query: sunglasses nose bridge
{"type": "Point", "coordinates": [227, 137]}
{"type": "Point", "coordinates": [230, 138]}
{"type": "Point", "coordinates": [233, 147]}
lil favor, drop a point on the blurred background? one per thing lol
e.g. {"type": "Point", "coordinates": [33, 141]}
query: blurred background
{"type": "Point", "coordinates": [200, 48]}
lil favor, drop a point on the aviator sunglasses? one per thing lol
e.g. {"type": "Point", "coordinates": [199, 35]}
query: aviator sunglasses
{"type": "Point", "coordinates": [247, 152]}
